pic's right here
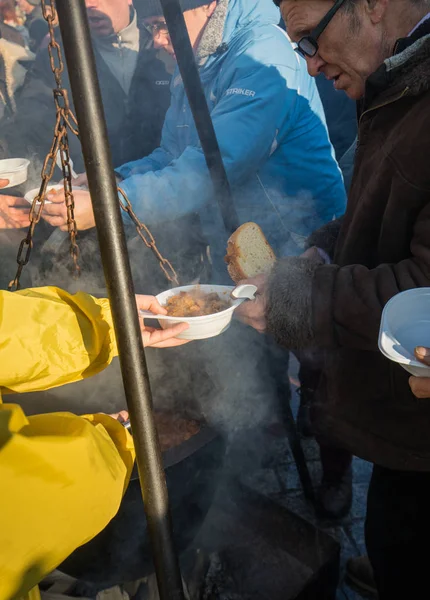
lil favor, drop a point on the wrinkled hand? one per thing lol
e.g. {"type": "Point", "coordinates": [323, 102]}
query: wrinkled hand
{"type": "Point", "coordinates": [159, 338]}
{"type": "Point", "coordinates": [12, 217]}
{"type": "Point", "coordinates": [420, 386]}
{"type": "Point", "coordinates": [56, 213]}
{"type": "Point", "coordinates": [253, 312]}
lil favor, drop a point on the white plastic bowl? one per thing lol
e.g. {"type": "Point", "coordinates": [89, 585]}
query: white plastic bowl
{"type": "Point", "coordinates": [405, 324]}
{"type": "Point", "coordinates": [31, 194]}
{"type": "Point", "coordinates": [15, 170]}
{"type": "Point", "coordinates": [200, 328]}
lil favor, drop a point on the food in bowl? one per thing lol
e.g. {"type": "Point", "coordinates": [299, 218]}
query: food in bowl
{"type": "Point", "coordinates": [203, 327]}
{"type": "Point", "coordinates": [195, 303]}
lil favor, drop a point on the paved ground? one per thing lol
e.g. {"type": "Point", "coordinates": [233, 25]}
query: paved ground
{"type": "Point", "coordinates": [277, 478]}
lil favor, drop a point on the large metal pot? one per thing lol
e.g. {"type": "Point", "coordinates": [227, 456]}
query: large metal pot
{"type": "Point", "coordinates": [121, 552]}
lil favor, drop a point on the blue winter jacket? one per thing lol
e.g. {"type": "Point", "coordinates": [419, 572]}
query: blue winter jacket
{"type": "Point", "coordinates": [271, 131]}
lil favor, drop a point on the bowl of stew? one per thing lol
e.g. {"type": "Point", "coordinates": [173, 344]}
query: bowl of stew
{"type": "Point", "coordinates": [208, 309]}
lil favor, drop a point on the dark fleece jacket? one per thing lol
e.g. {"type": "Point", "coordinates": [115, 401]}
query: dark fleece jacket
{"type": "Point", "coordinates": [364, 402]}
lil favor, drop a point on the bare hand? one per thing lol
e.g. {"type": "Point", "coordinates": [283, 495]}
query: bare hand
{"type": "Point", "coordinates": [12, 217]}
{"type": "Point", "coordinates": [313, 253]}
{"type": "Point", "coordinates": [253, 312]}
{"type": "Point", "coordinates": [420, 386]}
{"type": "Point", "coordinates": [4, 183]}
{"type": "Point", "coordinates": [159, 338]}
{"type": "Point", "coordinates": [56, 213]}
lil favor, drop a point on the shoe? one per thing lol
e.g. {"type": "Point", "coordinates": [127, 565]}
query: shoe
{"type": "Point", "coordinates": [359, 573]}
{"type": "Point", "coordinates": [334, 497]}
{"type": "Point", "coordinates": [304, 426]}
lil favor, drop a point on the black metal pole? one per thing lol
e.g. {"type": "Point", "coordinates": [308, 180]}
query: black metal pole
{"type": "Point", "coordinates": [199, 108]}
{"type": "Point", "coordinates": [101, 180]}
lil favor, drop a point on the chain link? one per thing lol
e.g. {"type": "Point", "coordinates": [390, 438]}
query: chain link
{"type": "Point", "coordinates": [149, 241]}
{"type": "Point", "coordinates": [60, 145]}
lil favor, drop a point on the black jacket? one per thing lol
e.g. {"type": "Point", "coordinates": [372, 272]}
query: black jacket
{"type": "Point", "coordinates": [134, 123]}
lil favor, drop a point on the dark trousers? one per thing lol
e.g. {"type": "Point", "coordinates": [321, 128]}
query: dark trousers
{"type": "Point", "coordinates": [398, 533]}
{"type": "Point", "coordinates": [335, 461]}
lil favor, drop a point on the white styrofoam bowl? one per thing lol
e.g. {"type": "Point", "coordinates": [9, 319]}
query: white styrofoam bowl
{"type": "Point", "coordinates": [405, 324]}
{"type": "Point", "coordinates": [31, 194]}
{"type": "Point", "coordinates": [15, 170]}
{"type": "Point", "coordinates": [201, 328]}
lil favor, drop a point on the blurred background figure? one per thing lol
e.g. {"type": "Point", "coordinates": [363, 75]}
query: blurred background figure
{"type": "Point", "coordinates": [35, 24]}
{"type": "Point", "coordinates": [12, 51]}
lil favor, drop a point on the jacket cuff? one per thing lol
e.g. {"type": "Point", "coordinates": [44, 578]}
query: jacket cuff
{"type": "Point", "coordinates": [106, 316]}
{"type": "Point", "coordinates": [289, 302]}
{"type": "Point", "coordinates": [326, 237]}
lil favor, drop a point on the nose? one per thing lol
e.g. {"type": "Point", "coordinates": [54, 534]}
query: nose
{"type": "Point", "coordinates": [314, 64]}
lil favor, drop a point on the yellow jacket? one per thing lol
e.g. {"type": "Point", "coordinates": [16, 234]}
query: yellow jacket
{"type": "Point", "coordinates": [62, 477]}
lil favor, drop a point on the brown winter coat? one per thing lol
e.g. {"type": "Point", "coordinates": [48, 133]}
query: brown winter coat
{"type": "Point", "coordinates": [364, 401]}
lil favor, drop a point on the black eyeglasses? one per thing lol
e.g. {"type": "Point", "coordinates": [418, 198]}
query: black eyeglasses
{"type": "Point", "coordinates": [156, 28]}
{"type": "Point", "coordinates": [308, 45]}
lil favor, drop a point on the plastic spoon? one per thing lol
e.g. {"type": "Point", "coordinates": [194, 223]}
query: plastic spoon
{"type": "Point", "coordinates": [244, 292]}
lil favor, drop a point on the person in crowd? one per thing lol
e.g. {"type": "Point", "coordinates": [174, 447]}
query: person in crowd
{"type": "Point", "coordinates": [9, 17]}
{"type": "Point", "coordinates": [35, 23]}
{"type": "Point", "coordinates": [12, 72]}
{"type": "Point", "coordinates": [379, 52]}
{"type": "Point", "coordinates": [268, 119]}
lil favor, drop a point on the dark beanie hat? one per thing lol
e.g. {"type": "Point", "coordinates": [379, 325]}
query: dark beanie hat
{"type": "Point", "coordinates": [152, 8]}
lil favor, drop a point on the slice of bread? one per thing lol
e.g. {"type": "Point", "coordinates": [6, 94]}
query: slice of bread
{"type": "Point", "coordinates": [248, 253]}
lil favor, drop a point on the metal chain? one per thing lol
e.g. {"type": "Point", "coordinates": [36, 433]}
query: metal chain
{"type": "Point", "coordinates": [143, 230]}
{"type": "Point", "coordinates": [64, 119]}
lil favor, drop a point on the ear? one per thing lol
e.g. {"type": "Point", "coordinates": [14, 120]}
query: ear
{"type": "Point", "coordinates": [376, 9]}
{"type": "Point", "coordinates": [210, 8]}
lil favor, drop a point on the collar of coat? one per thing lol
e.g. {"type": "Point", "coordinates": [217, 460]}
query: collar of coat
{"type": "Point", "coordinates": [406, 73]}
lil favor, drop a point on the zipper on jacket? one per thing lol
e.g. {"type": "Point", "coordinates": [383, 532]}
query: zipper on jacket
{"type": "Point", "coordinates": [120, 47]}
{"type": "Point", "coordinates": [391, 101]}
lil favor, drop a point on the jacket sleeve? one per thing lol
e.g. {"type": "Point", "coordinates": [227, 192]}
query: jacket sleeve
{"type": "Point", "coordinates": [331, 306]}
{"type": "Point", "coordinates": [63, 478]}
{"type": "Point", "coordinates": [246, 124]}
{"type": "Point", "coordinates": [50, 337]}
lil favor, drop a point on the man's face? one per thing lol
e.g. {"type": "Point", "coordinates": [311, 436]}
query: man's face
{"type": "Point", "coordinates": [195, 21]}
{"type": "Point", "coordinates": [107, 16]}
{"type": "Point", "coordinates": [25, 7]}
{"type": "Point", "coordinates": [349, 49]}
